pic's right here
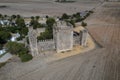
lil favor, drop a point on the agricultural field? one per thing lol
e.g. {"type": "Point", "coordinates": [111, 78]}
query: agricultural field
{"type": "Point", "coordinates": [102, 63]}
{"type": "Point", "coordinates": [45, 7]}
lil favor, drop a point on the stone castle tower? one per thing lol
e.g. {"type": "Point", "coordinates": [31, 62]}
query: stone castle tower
{"type": "Point", "coordinates": [83, 37]}
{"type": "Point", "coordinates": [63, 36]}
{"type": "Point", "coordinates": [33, 41]}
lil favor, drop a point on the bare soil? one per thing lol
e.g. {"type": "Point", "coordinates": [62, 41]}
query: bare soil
{"type": "Point", "coordinates": [45, 7]}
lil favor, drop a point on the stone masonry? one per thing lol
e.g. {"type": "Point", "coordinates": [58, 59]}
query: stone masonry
{"type": "Point", "coordinates": [63, 39]}
{"type": "Point", "coordinates": [63, 36]}
{"type": "Point", "coordinates": [83, 37]}
{"type": "Point", "coordinates": [33, 41]}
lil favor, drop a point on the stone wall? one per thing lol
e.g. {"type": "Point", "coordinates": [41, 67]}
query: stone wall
{"type": "Point", "coordinates": [76, 40]}
{"type": "Point", "coordinates": [63, 39]}
{"type": "Point", "coordinates": [33, 41]}
{"type": "Point", "coordinates": [63, 36]}
{"type": "Point", "coordinates": [45, 45]}
{"type": "Point", "coordinates": [83, 37]}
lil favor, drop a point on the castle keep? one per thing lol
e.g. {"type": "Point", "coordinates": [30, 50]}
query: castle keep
{"type": "Point", "coordinates": [63, 36]}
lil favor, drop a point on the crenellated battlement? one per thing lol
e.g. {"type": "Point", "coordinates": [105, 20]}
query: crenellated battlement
{"type": "Point", "coordinates": [63, 36]}
{"type": "Point", "coordinates": [48, 40]}
{"type": "Point", "coordinates": [61, 25]}
{"type": "Point", "coordinates": [44, 45]}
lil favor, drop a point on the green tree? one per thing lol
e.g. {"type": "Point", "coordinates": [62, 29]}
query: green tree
{"type": "Point", "coordinates": [18, 49]}
{"type": "Point", "coordinates": [18, 16]}
{"type": "Point", "coordinates": [23, 31]}
{"type": "Point", "coordinates": [1, 15]}
{"type": "Point", "coordinates": [5, 16]}
{"type": "Point", "coordinates": [37, 17]}
{"type": "Point", "coordinates": [72, 22]}
{"type": "Point", "coordinates": [50, 22]}
{"type": "Point", "coordinates": [35, 24]}
{"type": "Point", "coordinates": [32, 17]}
{"type": "Point", "coordinates": [20, 22]}
{"type": "Point", "coordinates": [48, 34]}
{"type": "Point", "coordinates": [4, 37]}
{"type": "Point", "coordinates": [15, 48]}
{"type": "Point", "coordinates": [25, 57]}
{"type": "Point", "coordinates": [65, 16]}
{"type": "Point", "coordinates": [13, 16]}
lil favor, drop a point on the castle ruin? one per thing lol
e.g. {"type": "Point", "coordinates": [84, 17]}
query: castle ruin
{"type": "Point", "coordinates": [63, 39]}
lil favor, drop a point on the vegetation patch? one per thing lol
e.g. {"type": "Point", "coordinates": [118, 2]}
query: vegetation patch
{"type": "Point", "coordinates": [35, 22]}
{"type": "Point", "coordinates": [25, 57]}
{"type": "Point", "coordinates": [77, 17]}
{"type": "Point", "coordinates": [48, 34]}
{"type": "Point", "coordinates": [2, 64]}
{"type": "Point", "coordinates": [18, 49]}
{"type": "Point", "coordinates": [83, 24]}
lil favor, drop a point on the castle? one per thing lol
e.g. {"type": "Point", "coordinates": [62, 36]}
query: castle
{"type": "Point", "coordinates": [64, 38]}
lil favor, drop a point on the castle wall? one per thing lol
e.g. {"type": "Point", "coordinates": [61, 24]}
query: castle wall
{"type": "Point", "coordinates": [76, 40]}
{"type": "Point", "coordinates": [64, 39]}
{"type": "Point", "coordinates": [45, 45]}
{"type": "Point", "coordinates": [83, 37]}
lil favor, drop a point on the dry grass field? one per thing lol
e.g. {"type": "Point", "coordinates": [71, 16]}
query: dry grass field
{"type": "Point", "coordinates": [98, 64]}
{"type": "Point", "coordinates": [45, 7]}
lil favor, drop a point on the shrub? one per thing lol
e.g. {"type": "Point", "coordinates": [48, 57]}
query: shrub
{"type": "Point", "coordinates": [2, 64]}
{"type": "Point", "coordinates": [1, 46]}
{"type": "Point", "coordinates": [20, 22]}
{"type": "Point", "coordinates": [65, 16]}
{"type": "Point", "coordinates": [4, 37]}
{"type": "Point", "coordinates": [84, 24]}
{"type": "Point", "coordinates": [25, 57]}
{"type": "Point", "coordinates": [20, 38]}
{"type": "Point", "coordinates": [50, 22]}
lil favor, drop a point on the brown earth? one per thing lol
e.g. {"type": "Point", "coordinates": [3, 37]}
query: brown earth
{"type": "Point", "coordinates": [45, 7]}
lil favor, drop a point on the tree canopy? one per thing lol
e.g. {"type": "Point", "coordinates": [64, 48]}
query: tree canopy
{"type": "Point", "coordinates": [48, 34]}
{"type": "Point", "coordinates": [15, 48]}
{"type": "Point", "coordinates": [4, 37]}
{"type": "Point", "coordinates": [18, 49]}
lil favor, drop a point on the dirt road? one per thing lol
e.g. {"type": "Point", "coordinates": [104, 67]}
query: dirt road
{"type": "Point", "coordinates": [99, 64]}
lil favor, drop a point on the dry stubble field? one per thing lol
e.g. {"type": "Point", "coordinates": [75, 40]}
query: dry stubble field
{"type": "Point", "coordinates": [45, 7]}
{"type": "Point", "coordinates": [98, 64]}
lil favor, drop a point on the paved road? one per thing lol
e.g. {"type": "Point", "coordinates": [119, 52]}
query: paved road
{"type": "Point", "coordinates": [99, 64]}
